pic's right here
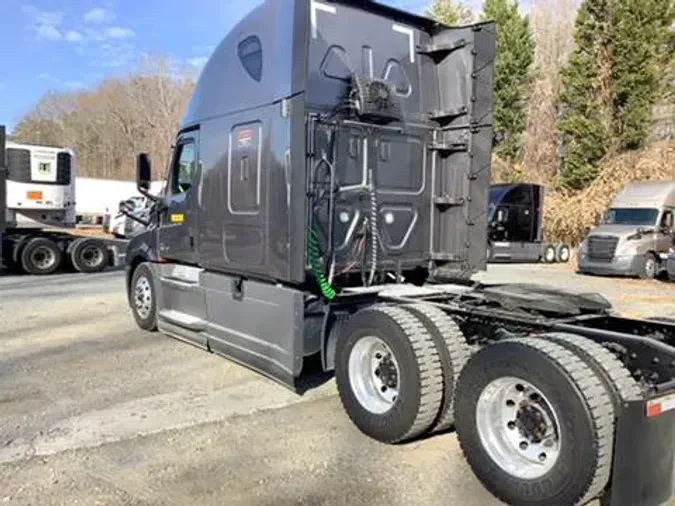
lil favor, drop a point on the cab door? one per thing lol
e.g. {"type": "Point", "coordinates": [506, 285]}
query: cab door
{"type": "Point", "coordinates": [178, 222]}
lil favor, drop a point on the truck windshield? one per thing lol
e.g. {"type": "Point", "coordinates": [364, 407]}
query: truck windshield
{"type": "Point", "coordinates": [631, 216]}
{"type": "Point", "coordinates": [495, 195]}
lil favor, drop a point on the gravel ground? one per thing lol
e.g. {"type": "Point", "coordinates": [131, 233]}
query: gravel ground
{"type": "Point", "coordinates": [95, 412]}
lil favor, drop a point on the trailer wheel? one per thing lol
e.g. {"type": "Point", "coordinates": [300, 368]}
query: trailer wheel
{"type": "Point", "coordinates": [143, 298]}
{"type": "Point", "coordinates": [388, 374]}
{"type": "Point", "coordinates": [535, 423]}
{"type": "Point", "coordinates": [41, 256]}
{"type": "Point", "coordinates": [563, 253]}
{"type": "Point", "coordinates": [550, 254]}
{"type": "Point", "coordinates": [89, 255]}
{"type": "Point", "coordinates": [453, 352]}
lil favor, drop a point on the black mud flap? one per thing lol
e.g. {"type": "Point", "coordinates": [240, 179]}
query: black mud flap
{"type": "Point", "coordinates": [644, 454]}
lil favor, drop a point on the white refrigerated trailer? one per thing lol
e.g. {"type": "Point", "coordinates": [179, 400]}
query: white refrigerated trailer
{"type": "Point", "coordinates": [40, 212]}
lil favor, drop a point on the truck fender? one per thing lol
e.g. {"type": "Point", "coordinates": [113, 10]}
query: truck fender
{"type": "Point", "coordinates": [137, 259]}
{"type": "Point", "coordinates": [72, 244]}
{"type": "Point", "coordinates": [18, 247]}
{"type": "Point", "coordinates": [333, 323]}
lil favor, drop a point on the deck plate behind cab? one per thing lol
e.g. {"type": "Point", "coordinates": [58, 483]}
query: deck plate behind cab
{"type": "Point", "coordinates": [543, 298]}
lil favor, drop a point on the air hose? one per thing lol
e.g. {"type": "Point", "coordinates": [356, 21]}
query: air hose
{"type": "Point", "coordinates": [315, 260]}
{"type": "Point", "coordinates": [373, 229]}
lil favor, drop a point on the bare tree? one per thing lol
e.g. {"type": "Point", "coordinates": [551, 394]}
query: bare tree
{"type": "Point", "coordinates": [553, 26]}
{"type": "Point", "coordinates": [107, 126]}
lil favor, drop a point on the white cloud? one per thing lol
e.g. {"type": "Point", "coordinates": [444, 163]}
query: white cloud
{"type": "Point", "coordinates": [45, 23]}
{"type": "Point", "coordinates": [49, 18]}
{"type": "Point", "coordinates": [99, 16]}
{"type": "Point", "coordinates": [47, 32]}
{"type": "Point", "coordinates": [116, 55]}
{"type": "Point", "coordinates": [73, 85]}
{"type": "Point", "coordinates": [198, 62]}
{"type": "Point", "coordinates": [74, 36]}
{"type": "Point", "coordinates": [118, 32]}
{"type": "Point", "coordinates": [203, 49]}
{"type": "Point", "coordinates": [62, 83]}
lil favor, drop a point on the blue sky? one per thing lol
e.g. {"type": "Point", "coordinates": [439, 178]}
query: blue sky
{"type": "Point", "coordinates": [57, 45]}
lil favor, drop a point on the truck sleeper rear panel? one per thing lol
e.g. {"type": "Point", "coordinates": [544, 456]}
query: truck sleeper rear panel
{"type": "Point", "coordinates": [421, 166]}
{"type": "Point", "coordinates": [429, 214]}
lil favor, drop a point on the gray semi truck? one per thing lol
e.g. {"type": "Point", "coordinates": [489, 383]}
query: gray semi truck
{"type": "Point", "coordinates": [334, 157]}
{"type": "Point", "coordinates": [634, 235]}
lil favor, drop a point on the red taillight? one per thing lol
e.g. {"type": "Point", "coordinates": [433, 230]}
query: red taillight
{"type": "Point", "coordinates": [655, 407]}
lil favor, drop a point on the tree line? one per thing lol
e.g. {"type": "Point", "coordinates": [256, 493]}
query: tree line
{"type": "Point", "coordinates": [109, 124]}
{"type": "Point", "coordinates": [573, 85]}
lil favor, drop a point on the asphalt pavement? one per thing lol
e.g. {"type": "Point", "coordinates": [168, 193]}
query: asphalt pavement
{"type": "Point", "coordinates": [94, 411]}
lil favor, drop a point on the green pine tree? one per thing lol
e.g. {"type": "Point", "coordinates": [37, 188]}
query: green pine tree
{"type": "Point", "coordinates": [586, 99]}
{"type": "Point", "coordinates": [450, 13]}
{"type": "Point", "coordinates": [641, 36]}
{"type": "Point", "coordinates": [513, 74]}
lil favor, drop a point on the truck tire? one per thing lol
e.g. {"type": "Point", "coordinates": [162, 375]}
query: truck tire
{"type": "Point", "coordinates": [453, 352]}
{"type": "Point", "coordinates": [41, 256]}
{"type": "Point", "coordinates": [510, 400]}
{"type": "Point", "coordinates": [648, 266]}
{"type": "Point", "coordinates": [89, 255]}
{"type": "Point", "coordinates": [563, 253]}
{"type": "Point", "coordinates": [616, 377]}
{"type": "Point", "coordinates": [143, 298]}
{"type": "Point", "coordinates": [550, 254]}
{"type": "Point", "coordinates": [388, 374]}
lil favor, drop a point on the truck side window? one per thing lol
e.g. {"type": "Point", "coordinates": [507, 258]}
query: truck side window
{"type": "Point", "coordinates": [250, 54]}
{"type": "Point", "coordinates": [185, 169]}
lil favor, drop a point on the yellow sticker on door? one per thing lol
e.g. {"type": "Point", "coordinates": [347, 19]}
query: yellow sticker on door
{"type": "Point", "coordinates": [177, 218]}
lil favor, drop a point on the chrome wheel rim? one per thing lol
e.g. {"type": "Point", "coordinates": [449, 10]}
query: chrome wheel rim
{"type": "Point", "coordinates": [374, 374]}
{"type": "Point", "coordinates": [550, 254]}
{"type": "Point", "coordinates": [91, 256]}
{"type": "Point", "coordinates": [518, 428]}
{"type": "Point", "coordinates": [143, 297]}
{"type": "Point", "coordinates": [564, 254]}
{"type": "Point", "coordinates": [650, 267]}
{"type": "Point", "coordinates": [43, 258]}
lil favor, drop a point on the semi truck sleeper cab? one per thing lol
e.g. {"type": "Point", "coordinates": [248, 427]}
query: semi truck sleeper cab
{"type": "Point", "coordinates": [309, 207]}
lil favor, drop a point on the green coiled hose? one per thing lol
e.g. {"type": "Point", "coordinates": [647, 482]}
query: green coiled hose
{"type": "Point", "coordinates": [315, 260]}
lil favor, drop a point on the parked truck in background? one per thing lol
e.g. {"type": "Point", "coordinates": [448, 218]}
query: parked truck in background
{"type": "Point", "coordinates": [309, 204]}
{"type": "Point", "coordinates": [39, 213]}
{"type": "Point", "coordinates": [634, 235]}
{"type": "Point", "coordinates": [515, 226]}
{"type": "Point", "coordinates": [3, 176]}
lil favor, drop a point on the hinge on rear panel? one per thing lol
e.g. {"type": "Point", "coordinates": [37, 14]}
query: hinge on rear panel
{"type": "Point", "coordinates": [445, 257]}
{"type": "Point", "coordinates": [450, 147]}
{"type": "Point", "coordinates": [446, 47]}
{"type": "Point", "coordinates": [439, 115]}
{"type": "Point", "coordinates": [448, 201]}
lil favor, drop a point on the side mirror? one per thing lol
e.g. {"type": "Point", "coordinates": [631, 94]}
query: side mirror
{"type": "Point", "coordinates": [667, 221]}
{"type": "Point", "coordinates": [502, 215]}
{"type": "Point", "coordinates": [126, 207]}
{"type": "Point", "coordinates": [143, 173]}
